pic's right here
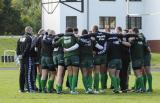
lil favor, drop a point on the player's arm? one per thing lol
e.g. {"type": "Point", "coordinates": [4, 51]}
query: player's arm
{"type": "Point", "coordinates": [72, 48]}
{"type": "Point", "coordinates": [18, 48]}
{"type": "Point", "coordinates": [125, 42]}
{"type": "Point", "coordinates": [46, 40]}
{"type": "Point", "coordinates": [57, 43]}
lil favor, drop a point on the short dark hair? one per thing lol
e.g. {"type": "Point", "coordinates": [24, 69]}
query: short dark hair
{"type": "Point", "coordinates": [126, 30]}
{"type": "Point", "coordinates": [136, 30]}
{"type": "Point", "coordinates": [95, 27]}
{"type": "Point", "coordinates": [84, 32]}
{"type": "Point", "coordinates": [69, 29]}
{"type": "Point", "coordinates": [119, 28]}
{"type": "Point", "coordinates": [75, 29]}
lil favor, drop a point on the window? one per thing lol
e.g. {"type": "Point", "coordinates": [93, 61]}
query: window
{"type": "Point", "coordinates": [107, 0]}
{"type": "Point", "coordinates": [134, 0]}
{"type": "Point", "coordinates": [135, 22]}
{"type": "Point", "coordinates": [71, 0]}
{"type": "Point", "coordinates": [71, 21]}
{"type": "Point", "coordinates": [110, 21]}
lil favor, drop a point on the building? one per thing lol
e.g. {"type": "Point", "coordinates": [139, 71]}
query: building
{"type": "Point", "coordinates": [83, 14]}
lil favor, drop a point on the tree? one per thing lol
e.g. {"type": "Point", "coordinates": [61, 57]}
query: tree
{"type": "Point", "coordinates": [16, 14]}
{"type": "Point", "coordinates": [10, 19]}
{"type": "Point", "coordinates": [30, 12]}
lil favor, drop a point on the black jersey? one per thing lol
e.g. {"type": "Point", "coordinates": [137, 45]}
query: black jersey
{"type": "Point", "coordinates": [101, 39]}
{"type": "Point", "coordinates": [46, 46]}
{"type": "Point", "coordinates": [125, 49]}
{"type": "Point", "coordinates": [114, 47]}
{"type": "Point", "coordinates": [24, 46]}
{"type": "Point", "coordinates": [86, 45]}
{"type": "Point", "coordinates": [147, 49]}
{"type": "Point", "coordinates": [58, 49]}
{"type": "Point", "coordinates": [137, 47]}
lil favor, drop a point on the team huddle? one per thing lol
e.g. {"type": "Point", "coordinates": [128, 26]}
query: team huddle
{"type": "Point", "coordinates": [46, 57]}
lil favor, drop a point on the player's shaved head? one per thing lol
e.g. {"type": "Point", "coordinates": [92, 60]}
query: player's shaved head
{"type": "Point", "coordinates": [69, 30]}
{"type": "Point", "coordinates": [51, 32]}
{"type": "Point", "coordinates": [28, 29]}
{"type": "Point", "coordinates": [41, 32]}
{"type": "Point", "coordinates": [135, 30]}
{"type": "Point", "coordinates": [94, 28]}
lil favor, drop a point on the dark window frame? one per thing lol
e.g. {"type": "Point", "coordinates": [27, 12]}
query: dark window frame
{"type": "Point", "coordinates": [107, 0]}
{"type": "Point", "coordinates": [135, 0]}
{"type": "Point", "coordinates": [109, 22]}
{"type": "Point", "coordinates": [133, 22]}
{"type": "Point", "coordinates": [70, 21]}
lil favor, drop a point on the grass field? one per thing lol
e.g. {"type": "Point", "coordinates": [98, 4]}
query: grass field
{"type": "Point", "coordinates": [7, 44]}
{"type": "Point", "coordinates": [9, 93]}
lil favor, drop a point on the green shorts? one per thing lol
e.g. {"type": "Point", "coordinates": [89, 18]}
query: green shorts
{"type": "Point", "coordinates": [86, 62]}
{"type": "Point", "coordinates": [38, 60]}
{"type": "Point", "coordinates": [47, 63]}
{"type": "Point", "coordinates": [100, 59]}
{"type": "Point", "coordinates": [137, 64]}
{"type": "Point", "coordinates": [115, 64]}
{"type": "Point", "coordinates": [71, 61]}
{"type": "Point", "coordinates": [58, 59]}
{"type": "Point", "coordinates": [147, 60]}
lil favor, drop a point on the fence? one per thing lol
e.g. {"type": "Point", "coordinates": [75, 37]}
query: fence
{"type": "Point", "coordinates": [7, 57]}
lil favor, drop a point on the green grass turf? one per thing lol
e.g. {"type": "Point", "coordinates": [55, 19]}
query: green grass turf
{"type": "Point", "coordinates": [9, 93]}
{"type": "Point", "coordinates": [155, 60]}
{"type": "Point", "coordinates": [10, 43]}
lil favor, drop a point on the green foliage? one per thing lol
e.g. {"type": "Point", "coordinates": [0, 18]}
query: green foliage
{"type": "Point", "coordinates": [1, 5]}
{"type": "Point", "coordinates": [10, 19]}
{"type": "Point", "coordinates": [30, 12]}
{"type": "Point", "coordinates": [16, 14]}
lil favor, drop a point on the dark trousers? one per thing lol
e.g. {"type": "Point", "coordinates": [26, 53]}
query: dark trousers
{"type": "Point", "coordinates": [26, 74]}
{"type": "Point", "coordinates": [124, 73]}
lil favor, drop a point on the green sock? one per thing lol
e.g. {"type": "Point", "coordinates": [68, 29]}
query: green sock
{"type": "Point", "coordinates": [142, 83]}
{"type": "Point", "coordinates": [58, 88]}
{"type": "Point", "coordinates": [118, 83]}
{"type": "Point", "coordinates": [144, 80]}
{"type": "Point", "coordinates": [43, 84]}
{"type": "Point", "coordinates": [84, 78]}
{"type": "Point", "coordinates": [90, 81]}
{"type": "Point", "coordinates": [39, 81]}
{"type": "Point", "coordinates": [106, 78]}
{"type": "Point", "coordinates": [50, 85]}
{"type": "Point", "coordinates": [149, 77]}
{"type": "Point", "coordinates": [137, 84]}
{"type": "Point", "coordinates": [70, 80]}
{"type": "Point", "coordinates": [96, 81]}
{"type": "Point", "coordinates": [74, 82]}
{"type": "Point", "coordinates": [102, 81]}
{"type": "Point", "coordinates": [114, 81]}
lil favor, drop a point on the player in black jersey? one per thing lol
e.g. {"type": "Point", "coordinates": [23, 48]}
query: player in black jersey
{"type": "Point", "coordinates": [25, 56]}
{"type": "Point", "coordinates": [100, 59]}
{"type": "Point", "coordinates": [47, 62]}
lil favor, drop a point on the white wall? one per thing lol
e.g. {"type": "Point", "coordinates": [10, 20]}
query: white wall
{"type": "Point", "coordinates": [51, 21]}
{"type": "Point", "coordinates": [151, 23]}
{"type": "Point", "coordinates": [108, 8]}
{"type": "Point", "coordinates": [81, 17]}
